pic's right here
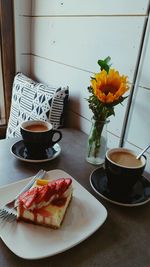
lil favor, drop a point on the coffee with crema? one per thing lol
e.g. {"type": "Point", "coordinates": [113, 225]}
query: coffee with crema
{"type": "Point", "coordinates": [38, 138]}
{"type": "Point", "coordinates": [36, 128]}
{"type": "Point", "coordinates": [126, 159]}
{"type": "Point", "coordinates": [123, 171]}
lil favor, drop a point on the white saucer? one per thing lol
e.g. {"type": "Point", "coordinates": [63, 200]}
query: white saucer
{"type": "Point", "coordinates": [18, 150]}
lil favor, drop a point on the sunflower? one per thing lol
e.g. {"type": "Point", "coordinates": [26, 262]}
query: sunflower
{"type": "Point", "coordinates": [109, 87]}
{"type": "Point", "coordinates": [106, 91]}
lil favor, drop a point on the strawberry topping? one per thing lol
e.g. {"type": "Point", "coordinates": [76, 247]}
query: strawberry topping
{"type": "Point", "coordinates": [28, 197]}
{"type": "Point", "coordinates": [42, 192]}
{"type": "Point", "coordinates": [53, 190]}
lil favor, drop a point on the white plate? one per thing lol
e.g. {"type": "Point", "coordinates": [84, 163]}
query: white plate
{"type": "Point", "coordinates": [84, 216]}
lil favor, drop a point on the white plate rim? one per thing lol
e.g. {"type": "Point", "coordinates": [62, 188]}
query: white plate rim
{"type": "Point", "coordinates": [96, 224]}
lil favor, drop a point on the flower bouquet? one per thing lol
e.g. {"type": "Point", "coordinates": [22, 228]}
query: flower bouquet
{"type": "Point", "coordinates": [106, 91]}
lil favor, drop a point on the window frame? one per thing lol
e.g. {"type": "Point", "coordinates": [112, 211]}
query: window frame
{"type": "Point", "coordinates": [7, 51]}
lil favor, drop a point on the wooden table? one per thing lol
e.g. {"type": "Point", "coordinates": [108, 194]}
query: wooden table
{"type": "Point", "coordinates": [123, 240]}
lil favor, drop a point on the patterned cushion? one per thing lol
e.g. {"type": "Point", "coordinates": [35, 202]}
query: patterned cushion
{"type": "Point", "coordinates": [32, 101]}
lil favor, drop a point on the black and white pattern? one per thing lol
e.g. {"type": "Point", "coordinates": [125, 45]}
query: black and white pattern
{"type": "Point", "coordinates": [32, 101]}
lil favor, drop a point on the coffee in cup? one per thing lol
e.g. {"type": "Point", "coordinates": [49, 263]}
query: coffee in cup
{"type": "Point", "coordinates": [123, 169]}
{"type": "Point", "coordinates": [38, 136]}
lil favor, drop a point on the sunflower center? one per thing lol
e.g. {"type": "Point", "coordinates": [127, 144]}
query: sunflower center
{"type": "Point", "coordinates": [106, 89]}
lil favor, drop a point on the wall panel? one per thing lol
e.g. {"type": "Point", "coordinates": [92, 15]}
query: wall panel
{"type": "Point", "coordinates": [22, 34]}
{"type": "Point", "coordinates": [138, 128]}
{"type": "Point", "coordinates": [90, 7]}
{"type": "Point", "coordinates": [80, 42]}
{"type": "Point", "coordinates": [70, 44]}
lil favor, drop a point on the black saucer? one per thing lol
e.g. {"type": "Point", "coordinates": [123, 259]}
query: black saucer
{"type": "Point", "coordinates": [19, 151]}
{"type": "Point", "coordinates": [140, 192]}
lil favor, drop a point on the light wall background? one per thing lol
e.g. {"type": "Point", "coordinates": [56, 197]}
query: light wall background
{"type": "Point", "coordinates": [59, 43]}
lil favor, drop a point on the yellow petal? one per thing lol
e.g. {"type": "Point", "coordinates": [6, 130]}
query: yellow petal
{"type": "Point", "coordinates": [108, 87]}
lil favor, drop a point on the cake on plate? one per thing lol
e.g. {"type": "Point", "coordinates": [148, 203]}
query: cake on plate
{"type": "Point", "coordinates": [46, 202]}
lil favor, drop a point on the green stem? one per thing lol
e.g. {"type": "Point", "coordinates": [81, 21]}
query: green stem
{"type": "Point", "coordinates": [95, 138]}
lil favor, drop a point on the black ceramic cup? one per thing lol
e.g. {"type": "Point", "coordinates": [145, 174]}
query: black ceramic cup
{"type": "Point", "coordinates": [123, 170]}
{"type": "Point", "coordinates": [38, 136]}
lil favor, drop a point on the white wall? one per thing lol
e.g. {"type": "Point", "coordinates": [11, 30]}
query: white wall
{"type": "Point", "coordinates": [22, 23]}
{"type": "Point", "coordinates": [138, 128]}
{"type": "Point", "coordinates": [61, 42]}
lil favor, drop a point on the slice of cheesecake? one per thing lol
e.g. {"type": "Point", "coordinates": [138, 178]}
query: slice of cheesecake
{"type": "Point", "coordinates": [46, 202]}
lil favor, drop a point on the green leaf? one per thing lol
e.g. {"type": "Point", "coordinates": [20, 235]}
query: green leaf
{"type": "Point", "coordinates": [107, 60]}
{"type": "Point", "coordinates": [104, 64]}
{"type": "Point", "coordinates": [120, 100]}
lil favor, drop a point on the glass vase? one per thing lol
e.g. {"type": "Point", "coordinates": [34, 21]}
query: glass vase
{"type": "Point", "coordinates": [97, 142]}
